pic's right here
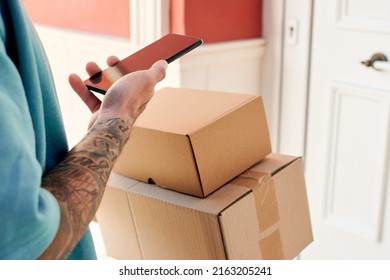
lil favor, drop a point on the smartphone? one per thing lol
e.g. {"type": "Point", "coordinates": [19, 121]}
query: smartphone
{"type": "Point", "coordinates": [168, 48]}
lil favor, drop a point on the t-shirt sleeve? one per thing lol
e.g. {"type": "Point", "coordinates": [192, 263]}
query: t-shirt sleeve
{"type": "Point", "coordinates": [29, 214]}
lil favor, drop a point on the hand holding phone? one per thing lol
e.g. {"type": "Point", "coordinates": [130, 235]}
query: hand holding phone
{"type": "Point", "coordinates": [168, 48]}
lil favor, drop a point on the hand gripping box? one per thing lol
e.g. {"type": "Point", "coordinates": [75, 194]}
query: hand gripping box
{"type": "Point", "coordinates": [195, 141]}
{"type": "Point", "coordinates": [261, 214]}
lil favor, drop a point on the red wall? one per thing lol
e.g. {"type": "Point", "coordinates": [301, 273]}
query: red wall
{"type": "Point", "coordinates": [109, 17]}
{"type": "Point", "coordinates": [212, 20]}
{"type": "Point", "coordinates": [217, 20]}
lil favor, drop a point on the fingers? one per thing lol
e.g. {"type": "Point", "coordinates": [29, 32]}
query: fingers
{"type": "Point", "coordinates": [111, 60]}
{"type": "Point", "coordinates": [92, 68]}
{"type": "Point", "coordinates": [155, 74]}
{"type": "Point", "coordinates": [92, 102]}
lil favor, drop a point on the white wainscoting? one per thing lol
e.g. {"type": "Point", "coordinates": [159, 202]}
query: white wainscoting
{"type": "Point", "coordinates": [231, 67]}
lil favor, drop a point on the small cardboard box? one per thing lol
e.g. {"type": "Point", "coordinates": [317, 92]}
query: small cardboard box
{"type": "Point", "coordinates": [195, 141]}
{"type": "Point", "coordinates": [262, 214]}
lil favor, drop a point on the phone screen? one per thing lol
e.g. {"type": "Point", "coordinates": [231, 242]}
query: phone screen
{"type": "Point", "coordinates": [169, 48]}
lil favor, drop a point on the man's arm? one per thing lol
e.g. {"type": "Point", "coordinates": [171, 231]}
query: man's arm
{"type": "Point", "coordinates": [78, 182]}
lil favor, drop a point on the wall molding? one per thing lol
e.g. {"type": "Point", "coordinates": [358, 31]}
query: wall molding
{"type": "Point", "coordinates": [149, 20]}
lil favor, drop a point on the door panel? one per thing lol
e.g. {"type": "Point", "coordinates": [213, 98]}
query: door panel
{"type": "Point", "coordinates": [370, 15]}
{"type": "Point", "coordinates": [347, 149]}
{"type": "Point", "coordinates": [357, 160]}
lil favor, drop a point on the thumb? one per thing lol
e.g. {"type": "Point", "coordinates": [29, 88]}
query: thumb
{"type": "Point", "coordinates": [158, 71]}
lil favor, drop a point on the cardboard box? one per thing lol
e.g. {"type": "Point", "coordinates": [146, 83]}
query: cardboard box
{"type": "Point", "coordinates": [262, 214]}
{"type": "Point", "coordinates": [195, 141]}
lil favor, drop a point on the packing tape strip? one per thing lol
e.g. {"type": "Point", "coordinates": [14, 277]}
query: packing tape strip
{"type": "Point", "coordinates": [271, 246]}
{"type": "Point", "coordinates": [267, 210]}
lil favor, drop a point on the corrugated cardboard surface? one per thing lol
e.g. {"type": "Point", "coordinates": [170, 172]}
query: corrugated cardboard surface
{"type": "Point", "coordinates": [293, 209]}
{"type": "Point", "coordinates": [175, 227]}
{"type": "Point", "coordinates": [262, 214]}
{"type": "Point", "coordinates": [195, 141]}
{"type": "Point", "coordinates": [117, 221]}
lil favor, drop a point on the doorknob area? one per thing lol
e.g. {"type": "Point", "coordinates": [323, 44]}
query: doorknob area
{"type": "Point", "coordinates": [377, 61]}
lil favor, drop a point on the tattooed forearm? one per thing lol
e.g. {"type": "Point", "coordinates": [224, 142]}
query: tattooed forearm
{"type": "Point", "coordinates": [78, 182]}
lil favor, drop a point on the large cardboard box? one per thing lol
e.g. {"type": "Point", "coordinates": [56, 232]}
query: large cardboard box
{"type": "Point", "coordinates": [262, 214]}
{"type": "Point", "coordinates": [195, 141]}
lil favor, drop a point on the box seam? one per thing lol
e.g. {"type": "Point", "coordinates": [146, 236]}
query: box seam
{"type": "Point", "coordinates": [284, 166]}
{"type": "Point", "coordinates": [196, 165]}
{"type": "Point", "coordinates": [135, 225]}
{"type": "Point", "coordinates": [235, 201]}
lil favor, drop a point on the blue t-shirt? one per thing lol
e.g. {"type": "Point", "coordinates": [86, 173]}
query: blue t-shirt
{"type": "Point", "coordinates": [32, 141]}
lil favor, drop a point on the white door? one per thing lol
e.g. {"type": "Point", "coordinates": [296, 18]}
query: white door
{"type": "Point", "coordinates": [347, 149]}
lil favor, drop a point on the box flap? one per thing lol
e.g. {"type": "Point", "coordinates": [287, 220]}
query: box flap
{"type": "Point", "coordinates": [219, 147]}
{"type": "Point", "coordinates": [240, 230]}
{"type": "Point", "coordinates": [184, 111]}
{"type": "Point", "coordinates": [295, 230]}
{"type": "Point", "coordinates": [273, 162]}
{"type": "Point", "coordinates": [260, 219]}
{"type": "Point", "coordinates": [276, 212]}
{"type": "Point", "coordinates": [163, 158]}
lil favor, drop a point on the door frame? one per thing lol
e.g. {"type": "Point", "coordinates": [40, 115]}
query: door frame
{"type": "Point", "coordinates": [286, 74]}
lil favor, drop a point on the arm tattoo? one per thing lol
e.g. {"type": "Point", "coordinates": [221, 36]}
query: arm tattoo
{"type": "Point", "coordinates": [78, 182]}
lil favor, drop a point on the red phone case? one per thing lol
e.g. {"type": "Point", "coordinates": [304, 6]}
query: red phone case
{"type": "Point", "coordinates": [169, 48]}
